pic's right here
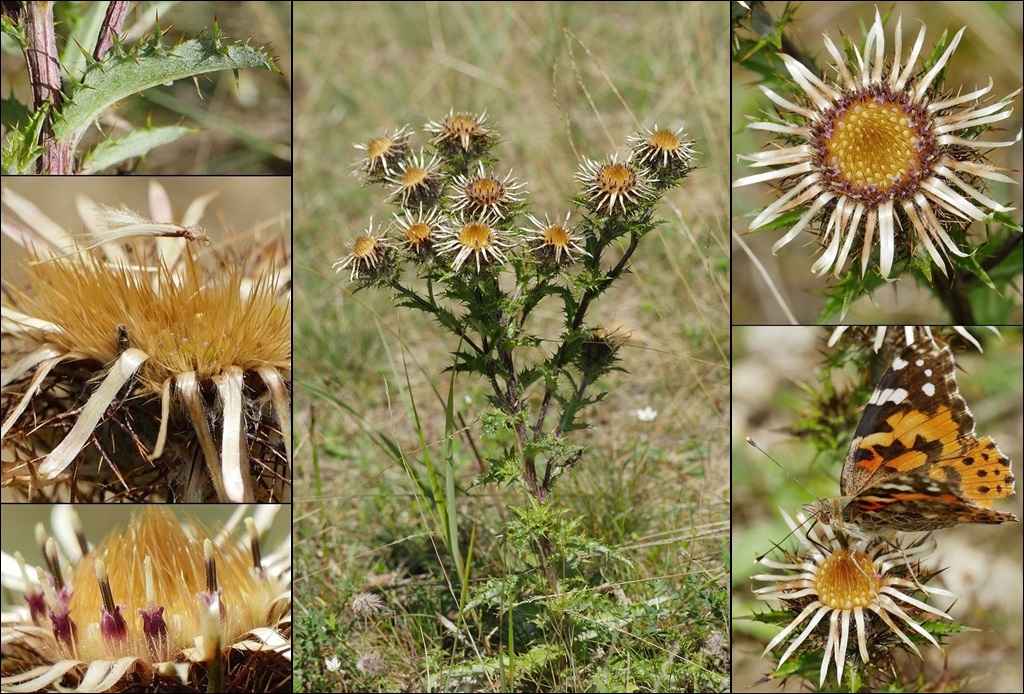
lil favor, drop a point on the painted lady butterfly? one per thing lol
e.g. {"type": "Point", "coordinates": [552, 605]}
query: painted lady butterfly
{"type": "Point", "coordinates": [915, 463]}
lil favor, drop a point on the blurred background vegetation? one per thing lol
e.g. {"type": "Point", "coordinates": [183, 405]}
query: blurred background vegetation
{"type": "Point", "coordinates": [560, 81]}
{"type": "Point", "coordinates": [246, 213]}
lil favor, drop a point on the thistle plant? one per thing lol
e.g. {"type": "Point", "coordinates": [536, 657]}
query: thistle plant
{"type": "Point", "coordinates": [466, 247]}
{"type": "Point", "coordinates": [73, 88]}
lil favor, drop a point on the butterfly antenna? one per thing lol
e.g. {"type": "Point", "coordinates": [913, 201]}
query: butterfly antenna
{"type": "Point", "coordinates": [778, 545]}
{"type": "Point", "coordinates": [811, 519]}
{"type": "Point", "coordinates": [788, 473]}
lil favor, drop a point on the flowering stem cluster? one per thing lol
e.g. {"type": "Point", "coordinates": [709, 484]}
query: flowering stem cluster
{"type": "Point", "coordinates": [483, 264]}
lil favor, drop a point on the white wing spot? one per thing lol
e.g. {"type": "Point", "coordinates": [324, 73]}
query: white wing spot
{"type": "Point", "coordinates": [894, 395]}
{"type": "Point", "coordinates": [928, 372]}
{"type": "Point", "coordinates": [919, 362]}
{"type": "Point", "coordinates": [898, 364]}
{"type": "Point", "coordinates": [929, 389]}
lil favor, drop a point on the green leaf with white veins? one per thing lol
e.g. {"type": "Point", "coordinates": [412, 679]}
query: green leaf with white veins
{"type": "Point", "coordinates": [119, 76]}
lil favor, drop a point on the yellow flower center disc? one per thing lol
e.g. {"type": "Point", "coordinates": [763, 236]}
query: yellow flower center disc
{"type": "Point", "coordinates": [476, 236]}
{"type": "Point", "coordinates": [874, 145]}
{"type": "Point", "coordinates": [616, 178]}
{"type": "Point", "coordinates": [847, 580]}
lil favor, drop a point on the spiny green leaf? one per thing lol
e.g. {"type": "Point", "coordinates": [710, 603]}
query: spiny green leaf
{"type": "Point", "coordinates": [13, 113]}
{"type": "Point", "coordinates": [21, 151]}
{"type": "Point", "coordinates": [84, 31]}
{"type": "Point", "coordinates": [1007, 221]}
{"type": "Point", "coordinates": [851, 287]}
{"type": "Point", "coordinates": [787, 219]}
{"type": "Point", "coordinates": [119, 77]}
{"type": "Point", "coordinates": [14, 31]}
{"type": "Point", "coordinates": [970, 263]}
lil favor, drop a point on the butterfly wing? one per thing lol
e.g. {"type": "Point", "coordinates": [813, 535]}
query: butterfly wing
{"type": "Point", "coordinates": [918, 502]}
{"type": "Point", "coordinates": [915, 418]}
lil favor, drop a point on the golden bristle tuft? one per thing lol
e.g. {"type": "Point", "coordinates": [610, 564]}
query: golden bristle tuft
{"type": "Point", "coordinates": [199, 321]}
{"type": "Point", "coordinates": [179, 574]}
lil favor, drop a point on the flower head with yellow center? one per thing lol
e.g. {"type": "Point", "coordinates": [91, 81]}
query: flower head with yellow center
{"type": "Point", "coordinates": [669, 155]}
{"type": "Point", "coordinates": [128, 318]}
{"type": "Point", "coordinates": [162, 605]}
{"type": "Point", "coordinates": [880, 153]}
{"type": "Point", "coordinates": [417, 182]}
{"type": "Point", "coordinates": [614, 183]}
{"type": "Point", "coordinates": [554, 241]}
{"type": "Point", "coordinates": [372, 255]}
{"type": "Point", "coordinates": [461, 133]}
{"type": "Point", "coordinates": [384, 154]}
{"type": "Point", "coordinates": [418, 232]}
{"type": "Point", "coordinates": [482, 193]}
{"type": "Point", "coordinates": [473, 236]}
{"type": "Point", "coordinates": [846, 579]}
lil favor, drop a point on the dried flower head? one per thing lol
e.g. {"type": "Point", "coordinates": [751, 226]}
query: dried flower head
{"type": "Point", "coordinates": [417, 182]}
{"type": "Point", "coordinates": [599, 351]}
{"type": "Point", "coordinates": [370, 664]}
{"type": "Point", "coordinates": [666, 153]}
{"type": "Point", "coordinates": [372, 256]}
{"type": "Point", "coordinates": [878, 151]}
{"type": "Point", "coordinates": [367, 604]}
{"type": "Point", "coordinates": [461, 133]}
{"type": "Point", "coordinates": [473, 236]}
{"type": "Point", "coordinates": [844, 579]}
{"type": "Point", "coordinates": [128, 333]}
{"type": "Point", "coordinates": [610, 183]}
{"type": "Point", "coordinates": [481, 193]}
{"type": "Point", "coordinates": [417, 233]}
{"type": "Point", "coordinates": [133, 612]}
{"type": "Point", "coordinates": [384, 154]}
{"type": "Point", "coordinates": [553, 241]}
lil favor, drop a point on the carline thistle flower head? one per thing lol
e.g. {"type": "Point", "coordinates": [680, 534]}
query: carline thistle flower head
{"type": "Point", "coordinates": [477, 236]}
{"type": "Point", "coordinates": [667, 154]}
{"type": "Point", "coordinates": [461, 133]}
{"type": "Point", "coordinates": [161, 605]}
{"type": "Point", "coordinates": [417, 233]}
{"type": "Point", "coordinates": [417, 182]}
{"type": "Point", "coordinates": [371, 257]}
{"type": "Point", "coordinates": [482, 193]}
{"type": "Point", "coordinates": [611, 183]}
{"type": "Point", "coordinates": [383, 154]}
{"type": "Point", "coordinates": [154, 323]}
{"type": "Point", "coordinates": [556, 242]}
{"type": "Point", "coordinates": [880, 153]}
{"type": "Point", "coordinates": [863, 581]}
